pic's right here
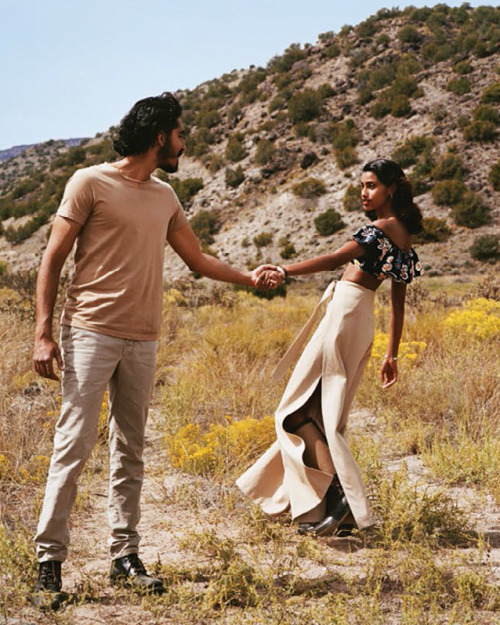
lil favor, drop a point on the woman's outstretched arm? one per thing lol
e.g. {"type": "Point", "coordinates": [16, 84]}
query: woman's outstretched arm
{"type": "Point", "coordinates": [389, 370]}
{"type": "Point", "coordinates": [349, 251]}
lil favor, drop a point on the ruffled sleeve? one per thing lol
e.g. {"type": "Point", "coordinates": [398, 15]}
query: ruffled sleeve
{"type": "Point", "coordinates": [368, 237]}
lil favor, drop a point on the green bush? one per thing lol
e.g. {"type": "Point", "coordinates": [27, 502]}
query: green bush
{"type": "Point", "coordinates": [208, 119]}
{"type": "Point", "coordinates": [463, 68]}
{"type": "Point", "coordinates": [309, 159]}
{"type": "Point", "coordinates": [491, 95]}
{"type": "Point", "coordinates": [346, 157]}
{"type": "Point", "coordinates": [448, 167]}
{"type": "Point", "coordinates": [305, 106]}
{"type": "Point", "coordinates": [326, 91]}
{"type": "Point", "coordinates": [344, 134]}
{"type": "Point", "coordinates": [408, 34]}
{"type": "Point", "coordinates": [486, 113]}
{"type": "Point", "coordinates": [471, 211]}
{"type": "Point", "coordinates": [288, 251]}
{"type": "Point", "coordinates": [352, 199]}
{"type": "Point", "coordinates": [276, 103]}
{"type": "Point", "coordinates": [263, 239]}
{"type": "Point", "coordinates": [381, 107]}
{"type": "Point", "coordinates": [435, 230]}
{"type": "Point", "coordinates": [284, 62]}
{"type": "Point", "coordinates": [186, 189]}
{"type": "Point", "coordinates": [328, 222]}
{"type": "Point", "coordinates": [448, 192]}
{"type": "Point", "coordinates": [332, 51]}
{"type": "Point", "coordinates": [486, 247]}
{"type": "Point", "coordinates": [483, 131]}
{"type": "Point", "coordinates": [408, 154]}
{"type": "Point", "coordinates": [458, 86]}
{"type": "Point", "coordinates": [309, 188]}
{"type": "Point", "coordinates": [494, 176]}
{"type": "Point", "coordinates": [266, 151]}
{"type": "Point", "coordinates": [205, 224]}
{"type": "Point", "coordinates": [234, 177]}
{"type": "Point", "coordinates": [235, 150]}
{"type": "Point", "coordinates": [400, 106]}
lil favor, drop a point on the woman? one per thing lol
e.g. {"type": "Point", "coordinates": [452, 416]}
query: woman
{"type": "Point", "coordinates": [310, 467]}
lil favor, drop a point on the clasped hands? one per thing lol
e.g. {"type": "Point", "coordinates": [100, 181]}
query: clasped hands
{"type": "Point", "coordinates": [267, 277]}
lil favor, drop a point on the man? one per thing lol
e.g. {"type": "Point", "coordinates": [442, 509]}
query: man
{"type": "Point", "coordinates": [120, 216]}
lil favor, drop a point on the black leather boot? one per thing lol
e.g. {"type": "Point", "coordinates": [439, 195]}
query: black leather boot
{"type": "Point", "coordinates": [47, 593]}
{"type": "Point", "coordinates": [131, 572]}
{"type": "Point", "coordinates": [337, 510]}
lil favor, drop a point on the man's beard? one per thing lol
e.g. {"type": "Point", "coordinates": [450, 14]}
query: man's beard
{"type": "Point", "coordinates": [164, 155]}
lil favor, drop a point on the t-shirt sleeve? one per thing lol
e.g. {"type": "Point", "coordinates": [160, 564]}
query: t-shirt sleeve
{"type": "Point", "coordinates": [78, 198]}
{"type": "Point", "coordinates": [178, 219]}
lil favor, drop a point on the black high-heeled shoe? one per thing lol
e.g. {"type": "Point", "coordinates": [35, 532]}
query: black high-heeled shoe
{"type": "Point", "coordinates": [337, 510]}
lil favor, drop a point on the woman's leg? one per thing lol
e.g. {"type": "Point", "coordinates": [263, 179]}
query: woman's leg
{"type": "Point", "coordinates": [305, 423]}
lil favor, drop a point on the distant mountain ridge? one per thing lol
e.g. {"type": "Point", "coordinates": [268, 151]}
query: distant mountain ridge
{"type": "Point", "coordinates": [15, 150]}
{"type": "Point", "coordinates": [274, 153]}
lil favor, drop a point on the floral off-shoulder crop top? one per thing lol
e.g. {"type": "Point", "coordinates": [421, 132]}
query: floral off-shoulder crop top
{"type": "Point", "coordinates": [383, 258]}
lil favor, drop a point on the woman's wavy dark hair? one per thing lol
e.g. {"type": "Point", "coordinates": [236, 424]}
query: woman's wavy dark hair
{"type": "Point", "coordinates": [389, 172]}
{"type": "Point", "coordinates": [139, 128]}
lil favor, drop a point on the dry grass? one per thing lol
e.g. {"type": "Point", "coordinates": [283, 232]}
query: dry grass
{"type": "Point", "coordinates": [229, 563]}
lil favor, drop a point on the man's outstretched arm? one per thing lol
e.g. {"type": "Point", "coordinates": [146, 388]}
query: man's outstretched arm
{"type": "Point", "coordinates": [62, 238]}
{"type": "Point", "coordinates": [187, 246]}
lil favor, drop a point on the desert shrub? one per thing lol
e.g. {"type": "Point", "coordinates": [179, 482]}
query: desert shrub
{"type": "Point", "coordinates": [208, 119]}
{"type": "Point", "coordinates": [494, 176]}
{"type": "Point", "coordinates": [344, 134]}
{"type": "Point", "coordinates": [408, 34]}
{"type": "Point", "coordinates": [276, 103]}
{"type": "Point", "coordinates": [215, 163]}
{"type": "Point", "coordinates": [186, 189]}
{"type": "Point", "coordinates": [234, 112]}
{"type": "Point", "coordinates": [205, 224]}
{"type": "Point", "coordinates": [435, 230]}
{"type": "Point", "coordinates": [483, 131]}
{"type": "Point", "coordinates": [346, 157]}
{"type": "Point", "coordinates": [351, 200]}
{"type": "Point", "coordinates": [284, 62]}
{"type": "Point", "coordinates": [367, 28]}
{"type": "Point", "coordinates": [326, 91]}
{"type": "Point", "coordinates": [364, 96]}
{"type": "Point", "coordinates": [419, 185]}
{"type": "Point", "coordinates": [400, 106]}
{"type": "Point", "coordinates": [463, 67]}
{"type": "Point", "coordinates": [305, 105]}
{"type": "Point", "coordinates": [486, 247]}
{"type": "Point", "coordinates": [381, 107]}
{"type": "Point", "coordinates": [328, 222]}
{"type": "Point", "coordinates": [408, 154]}
{"type": "Point", "coordinates": [486, 113]}
{"type": "Point", "coordinates": [288, 250]}
{"type": "Point", "coordinates": [16, 235]}
{"type": "Point", "coordinates": [332, 51]}
{"type": "Point", "coordinates": [235, 150]}
{"type": "Point", "coordinates": [309, 159]}
{"type": "Point", "coordinates": [491, 95]}
{"type": "Point", "coordinates": [249, 83]}
{"type": "Point", "coordinates": [266, 151]}
{"type": "Point", "coordinates": [309, 188]}
{"type": "Point", "coordinates": [448, 192]}
{"type": "Point", "coordinates": [458, 86]}
{"type": "Point", "coordinates": [448, 167]}
{"type": "Point", "coordinates": [234, 177]}
{"type": "Point", "coordinates": [471, 211]}
{"type": "Point", "coordinates": [263, 239]}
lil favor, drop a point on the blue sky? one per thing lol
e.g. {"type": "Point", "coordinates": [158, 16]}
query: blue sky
{"type": "Point", "coordinates": [72, 68]}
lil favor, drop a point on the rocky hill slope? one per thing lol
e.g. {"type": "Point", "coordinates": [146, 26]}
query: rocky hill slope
{"type": "Point", "coordinates": [274, 154]}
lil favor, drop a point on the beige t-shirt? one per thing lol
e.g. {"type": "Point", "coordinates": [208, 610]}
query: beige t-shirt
{"type": "Point", "coordinates": [118, 282]}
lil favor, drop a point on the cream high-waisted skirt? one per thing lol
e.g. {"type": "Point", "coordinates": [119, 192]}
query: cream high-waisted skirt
{"type": "Point", "coordinates": [334, 358]}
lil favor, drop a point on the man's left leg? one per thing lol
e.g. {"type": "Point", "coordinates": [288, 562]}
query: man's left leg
{"type": "Point", "coordinates": [130, 391]}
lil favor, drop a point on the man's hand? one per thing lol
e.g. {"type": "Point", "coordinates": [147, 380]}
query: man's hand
{"type": "Point", "coordinates": [266, 277]}
{"type": "Point", "coordinates": [389, 372]}
{"type": "Point", "coordinates": [44, 352]}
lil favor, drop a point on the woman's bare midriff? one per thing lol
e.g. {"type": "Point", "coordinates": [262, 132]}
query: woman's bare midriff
{"type": "Point", "coordinates": [358, 276]}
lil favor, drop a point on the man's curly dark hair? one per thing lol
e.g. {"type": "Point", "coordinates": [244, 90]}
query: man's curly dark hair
{"type": "Point", "coordinates": [139, 128]}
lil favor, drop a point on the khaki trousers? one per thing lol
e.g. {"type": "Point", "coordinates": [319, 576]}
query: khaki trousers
{"type": "Point", "coordinates": [93, 361]}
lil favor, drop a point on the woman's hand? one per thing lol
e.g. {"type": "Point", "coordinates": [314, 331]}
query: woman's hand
{"type": "Point", "coordinates": [389, 372]}
{"type": "Point", "coordinates": [267, 277]}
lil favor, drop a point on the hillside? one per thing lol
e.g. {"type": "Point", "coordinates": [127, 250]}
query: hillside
{"type": "Point", "coordinates": [274, 153]}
